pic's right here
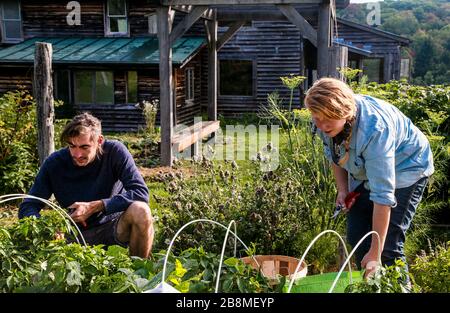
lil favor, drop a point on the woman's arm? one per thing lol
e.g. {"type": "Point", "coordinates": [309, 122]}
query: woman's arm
{"type": "Point", "coordinates": [380, 223]}
{"type": "Point", "coordinates": [341, 177]}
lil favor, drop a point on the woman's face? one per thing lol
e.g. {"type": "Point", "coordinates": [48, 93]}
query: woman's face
{"type": "Point", "coordinates": [329, 126]}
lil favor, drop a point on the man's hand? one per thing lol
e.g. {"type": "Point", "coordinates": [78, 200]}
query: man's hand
{"type": "Point", "coordinates": [82, 210]}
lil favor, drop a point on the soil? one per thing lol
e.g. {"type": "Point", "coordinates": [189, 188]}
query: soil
{"type": "Point", "coordinates": [148, 173]}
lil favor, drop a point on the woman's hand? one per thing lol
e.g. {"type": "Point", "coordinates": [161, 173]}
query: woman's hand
{"type": "Point", "coordinates": [340, 198]}
{"type": "Point", "coordinates": [370, 263]}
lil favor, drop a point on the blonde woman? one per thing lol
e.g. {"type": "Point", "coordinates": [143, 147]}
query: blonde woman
{"type": "Point", "coordinates": [376, 151]}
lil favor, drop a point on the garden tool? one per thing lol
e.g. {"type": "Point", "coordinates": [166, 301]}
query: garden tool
{"type": "Point", "coordinates": [349, 200]}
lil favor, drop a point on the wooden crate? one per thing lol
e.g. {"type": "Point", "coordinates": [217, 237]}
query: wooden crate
{"type": "Point", "coordinates": [273, 265]}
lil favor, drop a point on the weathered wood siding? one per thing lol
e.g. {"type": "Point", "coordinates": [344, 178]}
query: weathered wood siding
{"type": "Point", "coordinates": [276, 50]}
{"type": "Point", "coordinates": [13, 78]}
{"type": "Point", "coordinates": [382, 47]}
{"type": "Point", "coordinates": [138, 17]}
{"type": "Point", "coordinates": [127, 117]}
{"type": "Point", "coordinates": [185, 112]}
{"type": "Point", "coordinates": [120, 116]}
{"type": "Point", "coordinates": [53, 23]}
{"type": "Point", "coordinates": [48, 19]}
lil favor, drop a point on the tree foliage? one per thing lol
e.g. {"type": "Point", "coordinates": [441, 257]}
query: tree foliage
{"type": "Point", "coordinates": [426, 23]}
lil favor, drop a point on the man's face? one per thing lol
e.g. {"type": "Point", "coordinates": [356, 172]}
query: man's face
{"type": "Point", "coordinates": [83, 149]}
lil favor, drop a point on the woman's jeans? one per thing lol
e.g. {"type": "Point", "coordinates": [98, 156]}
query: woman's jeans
{"type": "Point", "coordinates": [359, 222]}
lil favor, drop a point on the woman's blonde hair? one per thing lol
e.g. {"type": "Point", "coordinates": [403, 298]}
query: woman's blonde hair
{"type": "Point", "coordinates": [332, 99]}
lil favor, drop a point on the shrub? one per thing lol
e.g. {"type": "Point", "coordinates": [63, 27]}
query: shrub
{"type": "Point", "coordinates": [18, 150]}
{"type": "Point", "coordinates": [387, 279]}
{"type": "Point", "coordinates": [432, 270]}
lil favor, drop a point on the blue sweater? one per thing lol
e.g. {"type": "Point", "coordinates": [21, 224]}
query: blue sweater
{"type": "Point", "coordinates": [113, 178]}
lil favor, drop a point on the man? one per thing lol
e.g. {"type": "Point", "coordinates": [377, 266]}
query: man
{"type": "Point", "coordinates": [99, 181]}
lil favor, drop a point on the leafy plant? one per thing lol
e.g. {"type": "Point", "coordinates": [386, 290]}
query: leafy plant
{"type": "Point", "coordinates": [432, 270]}
{"type": "Point", "coordinates": [149, 110]}
{"type": "Point", "coordinates": [32, 260]}
{"type": "Point", "coordinates": [387, 279]}
{"type": "Point", "coordinates": [18, 152]}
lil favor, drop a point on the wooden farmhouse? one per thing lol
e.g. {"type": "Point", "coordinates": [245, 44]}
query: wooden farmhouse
{"type": "Point", "coordinates": [193, 56]}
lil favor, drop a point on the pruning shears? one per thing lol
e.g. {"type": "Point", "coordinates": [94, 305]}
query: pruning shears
{"type": "Point", "coordinates": [349, 200]}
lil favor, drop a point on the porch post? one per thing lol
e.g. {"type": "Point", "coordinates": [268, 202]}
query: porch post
{"type": "Point", "coordinates": [338, 58]}
{"type": "Point", "coordinates": [43, 93]}
{"type": "Point", "coordinates": [166, 84]}
{"type": "Point", "coordinates": [387, 67]}
{"type": "Point", "coordinates": [323, 38]}
{"type": "Point", "coordinates": [211, 32]}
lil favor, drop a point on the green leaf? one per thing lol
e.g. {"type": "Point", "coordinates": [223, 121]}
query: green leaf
{"type": "Point", "coordinates": [233, 262]}
{"type": "Point", "coordinates": [74, 276]}
{"type": "Point", "coordinates": [179, 269]}
{"type": "Point", "coordinates": [227, 285]}
{"type": "Point", "coordinates": [241, 285]}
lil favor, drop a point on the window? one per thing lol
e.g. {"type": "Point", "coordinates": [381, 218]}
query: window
{"type": "Point", "coordinates": [116, 17]}
{"type": "Point", "coordinates": [62, 86]}
{"type": "Point", "coordinates": [152, 24]}
{"type": "Point", "coordinates": [404, 68]}
{"type": "Point", "coordinates": [236, 77]}
{"type": "Point", "coordinates": [62, 91]}
{"type": "Point", "coordinates": [132, 87]}
{"type": "Point", "coordinates": [11, 22]}
{"type": "Point", "coordinates": [189, 84]}
{"type": "Point", "coordinates": [94, 87]}
{"type": "Point", "coordinates": [373, 69]}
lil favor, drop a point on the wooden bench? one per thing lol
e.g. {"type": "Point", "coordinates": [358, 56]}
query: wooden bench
{"type": "Point", "coordinates": [193, 135]}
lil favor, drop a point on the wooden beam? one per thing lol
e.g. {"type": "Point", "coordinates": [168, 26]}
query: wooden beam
{"type": "Point", "coordinates": [166, 85]}
{"type": "Point", "coordinates": [188, 9]}
{"type": "Point", "coordinates": [236, 2]}
{"type": "Point", "coordinates": [43, 93]}
{"type": "Point", "coordinates": [211, 32]}
{"type": "Point", "coordinates": [338, 58]}
{"type": "Point", "coordinates": [295, 18]}
{"type": "Point", "coordinates": [258, 14]}
{"type": "Point", "coordinates": [187, 22]}
{"type": "Point", "coordinates": [323, 39]}
{"type": "Point", "coordinates": [333, 9]}
{"type": "Point", "coordinates": [194, 133]}
{"type": "Point", "coordinates": [232, 30]}
{"type": "Point", "coordinates": [387, 68]}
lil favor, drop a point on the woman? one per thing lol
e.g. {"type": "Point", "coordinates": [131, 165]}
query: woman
{"type": "Point", "coordinates": [376, 151]}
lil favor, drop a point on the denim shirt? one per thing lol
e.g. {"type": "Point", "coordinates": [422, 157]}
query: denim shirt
{"type": "Point", "coordinates": [386, 150]}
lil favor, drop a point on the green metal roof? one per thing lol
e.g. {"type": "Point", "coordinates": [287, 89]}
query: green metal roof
{"type": "Point", "coordinates": [103, 50]}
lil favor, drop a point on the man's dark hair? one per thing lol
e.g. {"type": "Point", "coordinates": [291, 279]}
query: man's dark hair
{"type": "Point", "coordinates": [84, 123]}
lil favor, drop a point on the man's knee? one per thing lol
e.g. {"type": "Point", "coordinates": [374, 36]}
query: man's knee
{"type": "Point", "coordinates": [139, 213]}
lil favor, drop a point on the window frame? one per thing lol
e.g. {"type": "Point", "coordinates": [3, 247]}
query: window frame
{"type": "Point", "coordinates": [253, 61]}
{"type": "Point", "coordinates": [189, 85]}
{"type": "Point", "coordinates": [127, 99]}
{"type": "Point", "coordinates": [94, 88]}
{"type": "Point", "coordinates": [108, 31]}
{"type": "Point", "coordinates": [56, 95]}
{"type": "Point", "coordinates": [3, 28]}
{"type": "Point", "coordinates": [155, 23]}
{"type": "Point", "coordinates": [379, 70]}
